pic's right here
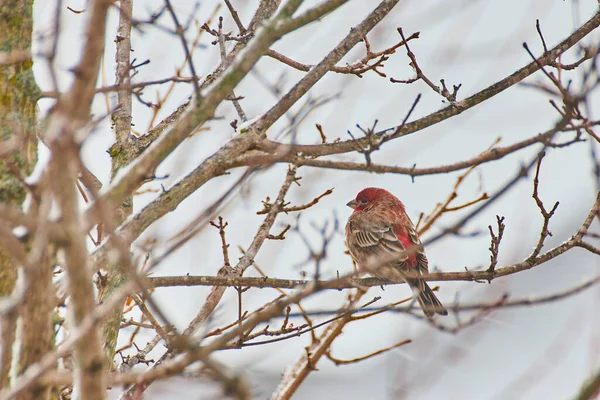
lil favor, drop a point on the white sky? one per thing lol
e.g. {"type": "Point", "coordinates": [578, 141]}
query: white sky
{"type": "Point", "coordinates": [530, 353]}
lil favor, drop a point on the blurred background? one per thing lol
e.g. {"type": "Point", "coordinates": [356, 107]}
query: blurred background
{"type": "Point", "coordinates": [538, 352]}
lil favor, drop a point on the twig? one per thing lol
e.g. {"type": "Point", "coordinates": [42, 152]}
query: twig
{"type": "Point", "coordinates": [235, 17]}
{"type": "Point", "coordinates": [544, 233]}
{"type": "Point", "coordinates": [223, 51]}
{"type": "Point", "coordinates": [224, 245]}
{"type": "Point", "coordinates": [286, 210]}
{"type": "Point", "coordinates": [358, 68]}
{"type": "Point", "coordinates": [451, 97]}
{"type": "Point", "coordinates": [339, 362]}
{"type": "Point", "coordinates": [495, 245]}
{"type": "Point", "coordinates": [181, 33]}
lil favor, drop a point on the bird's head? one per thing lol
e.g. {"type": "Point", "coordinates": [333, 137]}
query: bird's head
{"type": "Point", "coordinates": [372, 198]}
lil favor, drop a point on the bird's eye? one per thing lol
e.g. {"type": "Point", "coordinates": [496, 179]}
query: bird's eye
{"type": "Point", "coordinates": [364, 201]}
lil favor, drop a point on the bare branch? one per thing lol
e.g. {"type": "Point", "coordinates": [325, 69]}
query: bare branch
{"type": "Point", "coordinates": [544, 233]}
{"type": "Point", "coordinates": [34, 372]}
{"type": "Point", "coordinates": [574, 241]}
{"type": "Point", "coordinates": [451, 110]}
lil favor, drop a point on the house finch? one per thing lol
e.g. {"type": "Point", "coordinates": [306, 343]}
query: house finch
{"type": "Point", "coordinates": [378, 234]}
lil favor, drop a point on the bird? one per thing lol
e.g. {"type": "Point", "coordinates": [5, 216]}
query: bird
{"type": "Point", "coordinates": [378, 234]}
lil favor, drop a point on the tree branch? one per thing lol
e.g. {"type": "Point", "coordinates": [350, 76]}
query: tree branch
{"type": "Point", "coordinates": [449, 111]}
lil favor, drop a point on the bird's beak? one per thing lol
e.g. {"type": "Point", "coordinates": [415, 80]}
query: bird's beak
{"type": "Point", "coordinates": [352, 204]}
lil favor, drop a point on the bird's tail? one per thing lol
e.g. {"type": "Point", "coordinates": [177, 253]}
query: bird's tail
{"type": "Point", "coordinates": [427, 300]}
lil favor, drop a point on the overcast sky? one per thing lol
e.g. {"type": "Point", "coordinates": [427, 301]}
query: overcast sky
{"type": "Point", "coordinates": [543, 352]}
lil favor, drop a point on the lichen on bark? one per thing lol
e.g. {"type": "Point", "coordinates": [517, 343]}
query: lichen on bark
{"type": "Point", "coordinates": [18, 101]}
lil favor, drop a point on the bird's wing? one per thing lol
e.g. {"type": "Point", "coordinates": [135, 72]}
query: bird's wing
{"type": "Point", "coordinates": [410, 236]}
{"type": "Point", "coordinates": [376, 241]}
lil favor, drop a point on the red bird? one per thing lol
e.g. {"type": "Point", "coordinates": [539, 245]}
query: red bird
{"type": "Point", "coordinates": [378, 234]}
